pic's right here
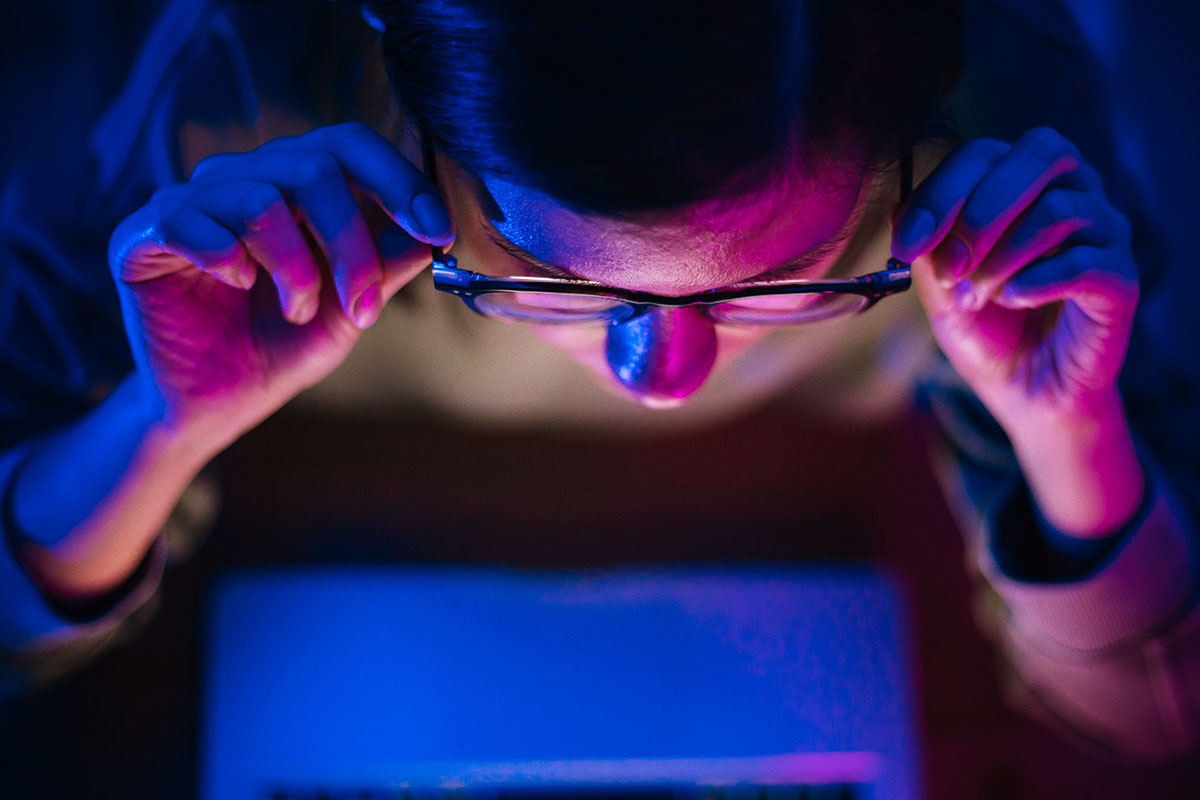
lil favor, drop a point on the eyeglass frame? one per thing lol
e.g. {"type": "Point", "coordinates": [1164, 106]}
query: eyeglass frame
{"type": "Point", "coordinates": [468, 286]}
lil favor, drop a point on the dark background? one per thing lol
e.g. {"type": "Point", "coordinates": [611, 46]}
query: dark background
{"type": "Point", "coordinates": [304, 489]}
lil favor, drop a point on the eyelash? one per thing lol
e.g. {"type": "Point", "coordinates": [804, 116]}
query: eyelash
{"type": "Point", "coordinates": [813, 258]}
{"type": "Point", "coordinates": [521, 256]}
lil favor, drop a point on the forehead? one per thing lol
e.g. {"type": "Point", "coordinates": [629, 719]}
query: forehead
{"type": "Point", "coordinates": [683, 250]}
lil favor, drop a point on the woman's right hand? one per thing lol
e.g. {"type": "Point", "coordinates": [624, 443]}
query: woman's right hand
{"type": "Point", "coordinates": [251, 281]}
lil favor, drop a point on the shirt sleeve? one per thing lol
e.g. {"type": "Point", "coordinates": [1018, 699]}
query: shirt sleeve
{"type": "Point", "coordinates": [42, 637]}
{"type": "Point", "coordinates": [1104, 647]}
{"type": "Point", "coordinates": [1114, 652]}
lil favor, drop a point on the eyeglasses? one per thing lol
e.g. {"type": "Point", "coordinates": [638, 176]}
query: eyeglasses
{"type": "Point", "coordinates": [566, 301]}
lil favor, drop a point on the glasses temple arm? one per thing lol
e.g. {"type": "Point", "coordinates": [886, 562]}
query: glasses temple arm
{"type": "Point", "coordinates": [429, 165]}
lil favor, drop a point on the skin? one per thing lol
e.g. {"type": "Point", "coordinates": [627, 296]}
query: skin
{"type": "Point", "coordinates": [251, 282]}
{"type": "Point", "coordinates": [1022, 266]}
{"type": "Point", "coordinates": [663, 358]}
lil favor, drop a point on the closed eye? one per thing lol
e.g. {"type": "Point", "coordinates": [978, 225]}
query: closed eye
{"type": "Point", "coordinates": [536, 265]}
{"type": "Point", "coordinates": [795, 269]}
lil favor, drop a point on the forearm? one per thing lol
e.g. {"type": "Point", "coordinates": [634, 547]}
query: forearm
{"type": "Point", "coordinates": [90, 500]}
{"type": "Point", "coordinates": [1082, 469]}
{"type": "Point", "coordinates": [1109, 651]}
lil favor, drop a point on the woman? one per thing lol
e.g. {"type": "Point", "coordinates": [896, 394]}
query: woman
{"type": "Point", "coordinates": [694, 151]}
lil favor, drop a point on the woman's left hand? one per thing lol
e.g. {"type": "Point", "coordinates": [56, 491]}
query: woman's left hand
{"type": "Point", "coordinates": [1025, 272]}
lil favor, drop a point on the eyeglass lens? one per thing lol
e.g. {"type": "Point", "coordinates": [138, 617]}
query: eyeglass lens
{"type": "Point", "coordinates": [559, 309]}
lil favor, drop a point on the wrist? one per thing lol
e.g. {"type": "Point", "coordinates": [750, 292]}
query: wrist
{"type": "Point", "coordinates": [181, 439]}
{"type": "Point", "coordinates": [1081, 466]}
{"type": "Point", "coordinates": [89, 500]}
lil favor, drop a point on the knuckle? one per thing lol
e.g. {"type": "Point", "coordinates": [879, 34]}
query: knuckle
{"type": "Point", "coordinates": [1091, 177]}
{"type": "Point", "coordinates": [976, 215]}
{"type": "Point", "coordinates": [128, 234]}
{"type": "Point", "coordinates": [354, 270]}
{"type": "Point", "coordinates": [1044, 138]}
{"type": "Point", "coordinates": [986, 148]}
{"type": "Point", "coordinates": [1046, 144]}
{"type": "Point", "coordinates": [150, 228]}
{"type": "Point", "coordinates": [944, 200]}
{"type": "Point", "coordinates": [1121, 225]}
{"type": "Point", "coordinates": [302, 275]}
{"type": "Point", "coordinates": [282, 143]}
{"type": "Point", "coordinates": [317, 167]}
{"type": "Point", "coordinates": [1058, 205]}
{"type": "Point", "coordinates": [1106, 271]}
{"type": "Point", "coordinates": [210, 164]}
{"type": "Point", "coordinates": [1076, 262]}
{"type": "Point", "coordinates": [174, 190]}
{"type": "Point", "coordinates": [353, 129]}
{"type": "Point", "coordinates": [255, 199]}
{"type": "Point", "coordinates": [163, 218]}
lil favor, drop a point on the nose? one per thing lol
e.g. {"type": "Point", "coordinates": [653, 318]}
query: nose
{"type": "Point", "coordinates": [662, 356]}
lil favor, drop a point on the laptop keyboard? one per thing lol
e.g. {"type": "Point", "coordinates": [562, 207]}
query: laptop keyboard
{"type": "Point", "coordinates": [829, 791]}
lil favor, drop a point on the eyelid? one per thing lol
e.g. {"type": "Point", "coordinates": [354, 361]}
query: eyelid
{"type": "Point", "coordinates": [804, 263]}
{"type": "Point", "coordinates": [549, 270]}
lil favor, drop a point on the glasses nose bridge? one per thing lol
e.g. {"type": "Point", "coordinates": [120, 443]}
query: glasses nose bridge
{"type": "Point", "coordinates": [634, 310]}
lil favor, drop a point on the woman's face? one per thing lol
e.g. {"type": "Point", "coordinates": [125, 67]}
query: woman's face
{"type": "Point", "coordinates": [793, 228]}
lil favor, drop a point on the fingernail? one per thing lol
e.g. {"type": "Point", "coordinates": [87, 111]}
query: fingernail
{"type": "Point", "coordinates": [366, 308]}
{"type": "Point", "coordinates": [248, 276]}
{"type": "Point", "coordinates": [431, 217]}
{"type": "Point", "coordinates": [958, 257]}
{"type": "Point", "coordinates": [915, 230]}
{"type": "Point", "coordinates": [306, 308]}
{"type": "Point", "coordinates": [1010, 297]}
{"type": "Point", "coordinates": [964, 296]}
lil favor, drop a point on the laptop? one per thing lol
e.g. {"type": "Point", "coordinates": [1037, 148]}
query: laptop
{"type": "Point", "coordinates": [440, 683]}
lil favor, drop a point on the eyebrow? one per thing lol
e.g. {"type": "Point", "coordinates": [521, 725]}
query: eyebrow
{"type": "Point", "coordinates": [789, 269]}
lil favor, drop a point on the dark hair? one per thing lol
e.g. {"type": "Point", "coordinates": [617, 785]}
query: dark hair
{"type": "Point", "coordinates": [624, 105]}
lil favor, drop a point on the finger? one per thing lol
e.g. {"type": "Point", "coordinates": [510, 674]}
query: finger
{"type": "Point", "coordinates": [317, 185]}
{"type": "Point", "coordinates": [1091, 277]}
{"type": "Point", "coordinates": [935, 298]}
{"type": "Point", "coordinates": [378, 168]}
{"type": "Point", "coordinates": [935, 203]}
{"type": "Point", "coordinates": [1038, 158]}
{"type": "Point", "coordinates": [1058, 218]}
{"type": "Point", "coordinates": [333, 217]}
{"type": "Point", "coordinates": [403, 259]}
{"type": "Point", "coordinates": [323, 201]}
{"type": "Point", "coordinates": [149, 244]}
{"type": "Point", "coordinates": [373, 166]}
{"type": "Point", "coordinates": [259, 214]}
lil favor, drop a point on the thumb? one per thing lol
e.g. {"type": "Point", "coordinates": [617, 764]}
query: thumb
{"type": "Point", "coordinates": [936, 299]}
